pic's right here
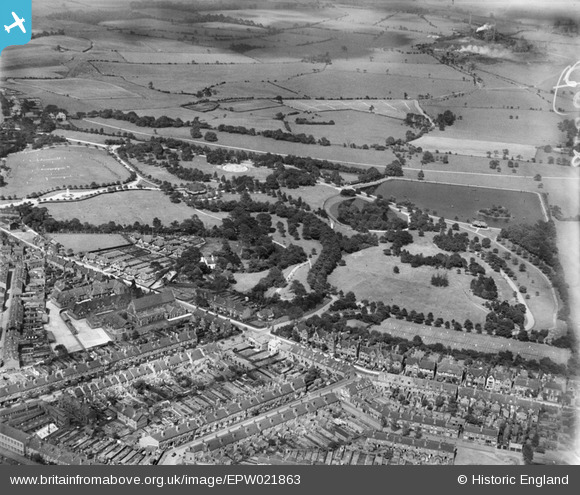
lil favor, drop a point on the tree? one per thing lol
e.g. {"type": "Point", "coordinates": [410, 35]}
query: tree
{"type": "Point", "coordinates": [210, 136]}
{"type": "Point", "coordinates": [195, 132]}
{"type": "Point", "coordinates": [298, 288]}
{"type": "Point", "coordinates": [537, 177]}
{"type": "Point", "coordinates": [61, 351]}
{"type": "Point", "coordinates": [427, 157]}
{"type": "Point", "coordinates": [528, 453]}
{"type": "Point", "coordinates": [394, 169]}
{"type": "Point", "coordinates": [421, 175]}
{"type": "Point", "coordinates": [396, 269]}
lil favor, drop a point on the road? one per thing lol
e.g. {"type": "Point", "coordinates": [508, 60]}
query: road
{"type": "Point", "coordinates": [169, 458]}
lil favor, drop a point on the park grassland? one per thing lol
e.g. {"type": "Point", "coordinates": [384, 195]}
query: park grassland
{"type": "Point", "coordinates": [61, 166]}
{"type": "Point", "coordinates": [369, 274]}
{"type": "Point", "coordinates": [124, 208]}
{"type": "Point", "coordinates": [474, 341]}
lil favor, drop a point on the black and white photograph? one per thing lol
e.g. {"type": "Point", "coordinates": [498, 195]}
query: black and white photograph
{"type": "Point", "coordinates": [290, 233]}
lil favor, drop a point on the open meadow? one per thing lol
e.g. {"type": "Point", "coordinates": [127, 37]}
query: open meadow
{"type": "Point", "coordinates": [350, 127]}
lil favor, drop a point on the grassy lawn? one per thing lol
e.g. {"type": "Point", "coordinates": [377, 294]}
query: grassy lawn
{"type": "Point", "coordinates": [479, 342]}
{"type": "Point", "coordinates": [245, 282]}
{"type": "Point", "coordinates": [315, 196]}
{"type": "Point", "coordinates": [210, 218]}
{"type": "Point", "coordinates": [59, 166]}
{"type": "Point", "coordinates": [125, 207]}
{"type": "Point", "coordinates": [541, 302]}
{"type": "Point", "coordinates": [369, 274]}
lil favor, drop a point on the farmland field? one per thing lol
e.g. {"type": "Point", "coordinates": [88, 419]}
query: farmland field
{"type": "Point", "coordinates": [81, 89]}
{"type": "Point", "coordinates": [391, 108]}
{"type": "Point", "coordinates": [60, 166]}
{"type": "Point", "coordinates": [185, 58]}
{"type": "Point", "coordinates": [351, 127]}
{"type": "Point", "coordinates": [531, 128]}
{"type": "Point", "coordinates": [462, 202]}
{"type": "Point", "coordinates": [475, 147]}
{"type": "Point", "coordinates": [125, 207]}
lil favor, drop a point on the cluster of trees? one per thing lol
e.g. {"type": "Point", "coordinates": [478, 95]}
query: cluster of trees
{"type": "Point", "coordinates": [242, 47]}
{"type": "Point", "coordinates": [398, 238]}
{"type": "Point", "coordinates": [445, 119]}
{"type": "Point", "coordinates": [15, 139]}
{"type": "Point", "coordinates": [568, 127]}
{"type": "Point", "coordinates": [253, 234]}
{"type": "Point", "coordinates": [303, 121]}
{"type": "Point", "coordinates": [417, 120]}
{"type": "Point", "coordinates": [280, 135]}
{"type": "Point", "coordinates": [369, 175]}
{"type": "Point", "coordinates": [236, 129]}
{"type": "Point", "coordinates": [394, 169]}
{"type": "Point", "coordinates": [503, 318]}
{"type": "Point", "coordinates": [452, 241]}
{"type": "Point", "coordinates": [290, 177]}
{"type": "Point", "coordinates": [440, 280]}
{"type": "Point", "coordinates": [154, 153]}
{"type": "Point", "coordinates": [188, 265]}
{"type": "Point", "coordinates": [538, 243]}
{"type": "Point", "coordinates": [140, 121]}
{"type": "Point", "coordinates": [421, 220]}
{"type": "Point", "coordinates": [274, 278]}
{"type": "Point", "coordinates": [440, 260]}
{"type": "Point", "coordinates": [538, 239]}
{"type": "Point", "coordinates": [484, 287]}
{"type": "Point", "coordinates": [320, 58]}
{"type": "Point", "coordinates": [364, 216]}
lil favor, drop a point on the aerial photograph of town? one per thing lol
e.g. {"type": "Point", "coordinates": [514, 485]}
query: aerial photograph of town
{"type": "Point", "coordinates": [290, 232]}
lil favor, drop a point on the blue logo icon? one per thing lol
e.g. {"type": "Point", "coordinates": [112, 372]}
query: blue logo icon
{"type": "Point", "coordinates": [15, 22]}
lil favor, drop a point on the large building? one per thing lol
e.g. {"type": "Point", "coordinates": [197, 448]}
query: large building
{"type": "Point", "coordinates": [13, 440]}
